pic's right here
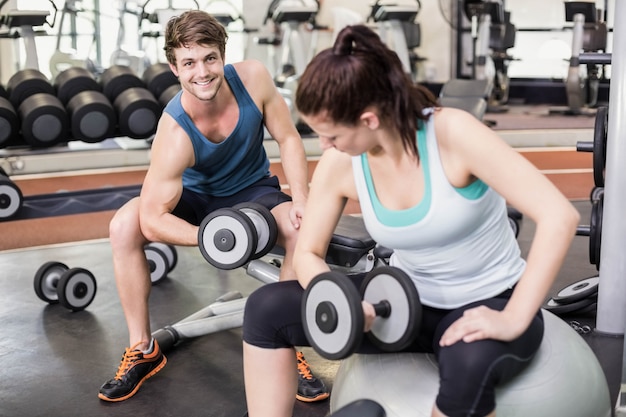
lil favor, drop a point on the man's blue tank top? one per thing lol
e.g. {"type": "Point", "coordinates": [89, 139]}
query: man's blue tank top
{"type": "Point", "coordinates": [225, 168]}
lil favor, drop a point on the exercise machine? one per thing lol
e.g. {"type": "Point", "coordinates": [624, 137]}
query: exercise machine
{"type": "Point", "coordinates": [399, 30]}
{"type": "Point", "coordinates": [290, 19]}
{"type": "Point", "coordinates": [492, 35]}
{"type": "Point", "coordinates": [21, 24]}
{"type": "Point", "coordinates": [152, 17]}
{"type": "Point", "coordinates": [63, 59]}
{"type": "Point", "coordinates": [589, 34]}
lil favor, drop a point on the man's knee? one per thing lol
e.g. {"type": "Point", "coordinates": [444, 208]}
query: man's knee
{"type": "Point", "coordinates": [124, 226]}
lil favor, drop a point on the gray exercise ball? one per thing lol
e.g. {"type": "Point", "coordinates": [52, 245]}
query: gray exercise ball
{"type": "Point", "coordinates": [564, 379]}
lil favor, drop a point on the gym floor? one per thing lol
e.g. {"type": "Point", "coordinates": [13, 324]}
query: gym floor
{"type": "Point", "coordinates": [53, 361]}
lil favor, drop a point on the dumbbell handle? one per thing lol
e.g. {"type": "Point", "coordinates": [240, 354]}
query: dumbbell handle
{"type": "Point", "coordinates": [382, 308]}
{"type": "Point", "coordinates": [583, 231]}
{"type": "Point", "coordinates": [584, 146]}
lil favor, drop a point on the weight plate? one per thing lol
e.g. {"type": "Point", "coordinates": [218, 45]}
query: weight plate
{"type": "Point", "coordinates": [600, 132]}
{"type": "Point", "coordinates": [226, 238]}
{"type": "Point", "coordinates": [561, 309]}
{"type": "Point", "coordinates": [595, 231]}
{"type": "Point", "coordinates": [47, 279]}
{"type": "Point", "coordinates": [77, 289]}
{"type": "Point", "coordinates": [399, 329]}
{"type": "Point", "coordinates": [332, 315]}
{"type": "Point", "coordinates": [578, 290]}
{"type": "Point", "coordinates": [158, 263]}
{"type": "Point", "coordinates": [265, 225]}
{"type": "Point", "coordinates": [169, 251]}
{"type": "Point", "coordinates": [11, 198]}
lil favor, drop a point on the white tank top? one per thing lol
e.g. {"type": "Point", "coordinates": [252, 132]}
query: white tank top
{"type": "Point", "coordinates": [456, 244]}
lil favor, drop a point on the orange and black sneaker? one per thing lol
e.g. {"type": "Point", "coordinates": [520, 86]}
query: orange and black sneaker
{"type": "Point", "coordinates": [310, 388]}
{"type": "Point", "coordinates": [135, 368]}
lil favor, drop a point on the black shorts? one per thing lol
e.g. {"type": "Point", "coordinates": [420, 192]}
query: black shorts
{"type": "Point", "coordinates": [194, 207]}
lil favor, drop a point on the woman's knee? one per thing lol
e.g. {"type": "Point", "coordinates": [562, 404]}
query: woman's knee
{"type": "Point", "coordinates": [269, 312]}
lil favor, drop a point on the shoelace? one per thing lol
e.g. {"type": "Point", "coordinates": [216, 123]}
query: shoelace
{"type": "Point", "coordinates": [303, 367]}
{"type": "Point", "coordinates": [130, 356]}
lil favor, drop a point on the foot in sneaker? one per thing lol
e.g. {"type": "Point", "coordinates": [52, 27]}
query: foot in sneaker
{"type": "Point", "coordinates": [310, 388]}
{"type": "Point", "coordinates": [135, 368]}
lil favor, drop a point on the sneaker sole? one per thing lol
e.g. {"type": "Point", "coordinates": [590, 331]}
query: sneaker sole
{"type": "Point", "coordinates": [134, 391]}
{"type": "Point", "coordinates": [320, 397]}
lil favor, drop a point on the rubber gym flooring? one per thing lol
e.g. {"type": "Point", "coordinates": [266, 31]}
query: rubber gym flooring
{"type": "Point", "coordinates": [52, 360]}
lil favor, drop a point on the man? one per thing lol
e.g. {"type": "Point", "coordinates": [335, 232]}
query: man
{"type": "Point", "coordinates": [207, 153]}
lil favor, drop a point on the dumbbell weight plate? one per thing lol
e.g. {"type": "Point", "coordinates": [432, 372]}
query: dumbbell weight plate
{"type": "Point", "coordinates": [264, 224]}
{"type": "Point", "coordinates": [169, 251]}
{"type": "Point", "coordinates": [227, 238]}
{"type": "Point", "coordinates": [11, 198]}
{"type": "Point", "coordinates": [578, 290]}
{"type": "Point", "coordinates": [399, 329]}
{"type": "Point", "coordinates": [599, 145]}
{"type": "Point", "coordinates": [561, 309]}
{"type": "Point", "coordinates": [332, 315]}
{"type": "Point", "coordinates": [47, 279]}
{"type": "Point", "coordinates": [595, 231]}
{"type": "Point", "coordinates": [76, 289]}
{"type": "Point", "coordinates": [158, 263]}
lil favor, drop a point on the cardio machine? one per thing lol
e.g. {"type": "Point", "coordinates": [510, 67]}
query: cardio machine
{"type": "Point", "coordinates": [492, 35]}
{"type": "Point", "coordinates": [589, 35]}
{"type": "Point", "coordinates": [399, 30]}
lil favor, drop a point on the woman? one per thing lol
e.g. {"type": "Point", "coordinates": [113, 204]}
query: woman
{"type": "Point", "coordinates": [433, 184]}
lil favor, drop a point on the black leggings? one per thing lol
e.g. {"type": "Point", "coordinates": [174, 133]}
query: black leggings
{"type": "Point", "coordinates": [469, 372]}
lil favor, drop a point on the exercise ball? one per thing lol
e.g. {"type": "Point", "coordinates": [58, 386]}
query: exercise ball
{"type": "Point", "coordinates": [563, 379]}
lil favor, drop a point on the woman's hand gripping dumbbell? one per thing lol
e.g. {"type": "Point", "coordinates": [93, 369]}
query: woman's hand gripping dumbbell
{"type": "Point", "coordinates": [334, 319]}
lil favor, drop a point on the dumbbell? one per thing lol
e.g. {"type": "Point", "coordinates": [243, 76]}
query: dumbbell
{"type": "Point", "coordinates": [92, 117]}
{"type": "Point", "coordinates": [44, 121]}
{"type": "Point", "coordinates": [9, 123]}
{"type": "Point", "coordinates": [333, 318]}
{"type": "Point", "coordinates": [158, 79]}
{"type": "Point", "coordinates": [162, 258]}
{"type": "Point", "coordinates": [231, 237]}
{"type": "Point", "coordinates": [137, 109]}
{"type": "Point", "coordinates": [11, 198]}
{"type": "Point", "coordinates": [73, 288]}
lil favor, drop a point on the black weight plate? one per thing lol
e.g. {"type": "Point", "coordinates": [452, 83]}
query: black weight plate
{"type": "Point", "coordinates": [169, 251]}
{"type": "Point", "coordinates": [562, 309]}
{"type": "Point", "coordinates": [226, 238]}
{"type": "Point", "coordinates": [335, 290]}
{"type": "Point", "coordinates": [158, 263]}
{"type": "Point", "coordinates": [599, 145]}
{"type": "Point", "coordinates": [399, 329]}
{"type": "Point", "coordinates": [578, 290]}
{"type": "Point", "coordinates": [595, 231]}
{"type": "Point", "coordinates": [77, 289]}
{"type": "Point", "coordinates": [47, 279]}
{"type": "Point", "coordinates": [265, 225]}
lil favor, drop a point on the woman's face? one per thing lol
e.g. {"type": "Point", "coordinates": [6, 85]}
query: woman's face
{"type": "Point", "coordinates": [351, 139]}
